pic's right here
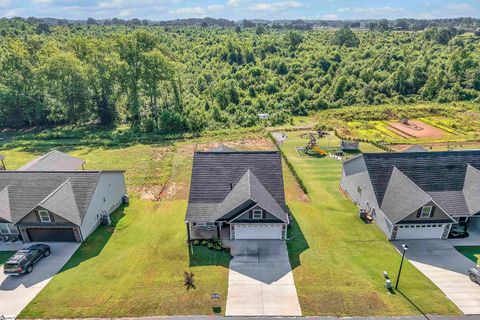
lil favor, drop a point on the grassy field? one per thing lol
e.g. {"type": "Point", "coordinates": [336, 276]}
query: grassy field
{"type": "Point", "coordinates": [338, 260]}
{"type": "Point", "coordinates": [471, 252]}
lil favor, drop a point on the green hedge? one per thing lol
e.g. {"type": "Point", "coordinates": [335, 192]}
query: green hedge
{"type": "Point", "coordinates": [289, 165]}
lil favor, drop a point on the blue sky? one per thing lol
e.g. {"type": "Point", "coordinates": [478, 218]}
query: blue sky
{"type": "Point", "coordinates": [241, 9]}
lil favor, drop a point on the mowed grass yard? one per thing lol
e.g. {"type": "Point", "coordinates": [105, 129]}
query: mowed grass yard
{"type": "Point", "coordinates": [337, 259]}
{"type": "Point", "coordinates": [471, 252]}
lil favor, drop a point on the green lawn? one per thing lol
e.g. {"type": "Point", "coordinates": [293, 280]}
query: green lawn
{"type": "Point", "coordinates": [471, 252]}
{"type": "Point", "coordinates": [338, 260]}
{"type": "Point", "coordinates": [4, 256]}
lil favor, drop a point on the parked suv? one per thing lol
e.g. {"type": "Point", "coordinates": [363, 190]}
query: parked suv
{"type": "Point", "coordinates": [23, 261]}
{"type": "Point", "coordinates": [474, 274]}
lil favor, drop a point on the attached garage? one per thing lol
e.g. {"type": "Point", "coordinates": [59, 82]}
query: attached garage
{"type": "Point", "coordinates": [258, 231]}
{"type": "Point", "coordinates": [420, 231]}
{"type": "Point", "coordinates": [51, 234]}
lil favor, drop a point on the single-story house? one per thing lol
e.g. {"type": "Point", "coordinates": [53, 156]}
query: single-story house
{"type": "Point", "coordinates": [236, 195]}
{"type": "Point", "coordinates": [54, 161]}
{"type": "Point", "coordinates": [416, 195]}
{"type": "Point", "coordinates": [50, 200]}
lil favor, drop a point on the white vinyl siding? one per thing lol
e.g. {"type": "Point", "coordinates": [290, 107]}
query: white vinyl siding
{"type": "Point", "coordinates": [106, 198]}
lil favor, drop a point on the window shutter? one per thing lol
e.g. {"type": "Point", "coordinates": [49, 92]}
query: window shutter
{"type": "Point", "coordinates": [264, 214]}
{"type": "Point", "coordinates": [52, 218]}
{"type": "Point", "coordinates": [432, 212]}
{"type": "Point", "coordinates": [419, 212]}
{"type": "Point", "coordinates": [38, 216]}
{"type": "Point", "coordinates": [250, 214]}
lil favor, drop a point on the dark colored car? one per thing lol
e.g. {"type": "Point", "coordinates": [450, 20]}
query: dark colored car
{"type": "Point", "coordinates": [474, 274]}
{"type": "Point", "coordinates": [23, 260]}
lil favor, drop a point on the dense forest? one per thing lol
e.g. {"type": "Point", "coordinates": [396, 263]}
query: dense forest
{"type": "Point", "coordinates": [173, 79]}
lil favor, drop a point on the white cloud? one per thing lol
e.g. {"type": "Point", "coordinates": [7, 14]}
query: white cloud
{"type": "Point", "coordinates": [272, 6]}
{"type": "Point", "coordinates": [197, 11]}
{"type": "Point", "coordinates": [11, 13]}
{"type": "Point", "coordinates": [4, 3]}
{"type": "Point", "coordinates": [371, 10]}
{"type": "Point", "coordinates": [459, 7]}
{"type": "Point", "coordinates": [233, 3]}
{"type": "Point", "coordinates": [42, 1]}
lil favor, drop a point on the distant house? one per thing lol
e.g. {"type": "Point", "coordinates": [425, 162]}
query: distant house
{"type": "Point", "coordinates": [263, 116]}
{"type": "Point", "coordinates": [45, 201]}
{"type": "Point", "coordinates": [415, 148]}
{"type": "Point", "coordinates": [416, 195]}
{"type": "Point", "coordinates": [236, 195]}
{"type": "Point", "coordinates": [349, 145]}
{"type": "Point", "coordinates": [54, 161]}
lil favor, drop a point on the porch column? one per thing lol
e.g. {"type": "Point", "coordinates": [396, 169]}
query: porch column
{"type": "Point", "coordinates": [188, 230]}
{"type": "Point", "coordinates": [218, 229]}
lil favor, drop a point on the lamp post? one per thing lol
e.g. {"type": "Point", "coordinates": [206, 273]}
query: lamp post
{"type": "Point", "coordinates": [405, 248]}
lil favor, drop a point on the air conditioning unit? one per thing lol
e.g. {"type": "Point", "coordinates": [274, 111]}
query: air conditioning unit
{"type": "Point", "coordinates": [105, 219]}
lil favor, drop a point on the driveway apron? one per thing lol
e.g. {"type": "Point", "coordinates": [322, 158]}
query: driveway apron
{"type": "Point", "coordinates": [447, 269]}
{"type": "Point", "coordinates": [16, 292]}
{"type": "Point", "coordinates": [260, 281]}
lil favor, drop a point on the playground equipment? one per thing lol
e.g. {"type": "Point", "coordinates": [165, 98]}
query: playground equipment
{"type": "Point", "coordinates": [312, 146]}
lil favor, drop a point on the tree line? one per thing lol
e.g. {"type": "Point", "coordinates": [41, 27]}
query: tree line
{"type": "Point", "coordinates": [175, 79]}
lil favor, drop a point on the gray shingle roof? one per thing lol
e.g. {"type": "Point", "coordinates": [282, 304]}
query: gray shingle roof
{"type": "Point", "coordinates": [222, 148]}
{"type": "Point", "coordinates": [250, 190]}
{"type": "Point", "coordinates": [431, 171]}
{"type": "Point", "coordinates": [213, 172]}
{"type": "Point", "coordinates": [402, 197]}
{"type": "Point", "coordinates": [471, 190]}
{"type": "Point", "coordinates": [415, 148]}
{"type": "Point", "coordinates": [53, 161]}
{"type": "Point", "coordinates": [451, 179]}
{"type": "Point", "coordinates": [66, 193]}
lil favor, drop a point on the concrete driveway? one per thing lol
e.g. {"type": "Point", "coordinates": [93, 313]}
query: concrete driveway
{"type": "Point", "coordinates": [447, 268]}
{"type": "Point", "coordinates": [260, 281]}
{"type": "Point", "coordinates": [17, 291]}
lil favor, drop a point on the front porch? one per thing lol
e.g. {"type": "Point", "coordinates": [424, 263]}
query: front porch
{"type": "Point", "coordinates": [465, 230]}
{"type": "Point", "coordinates": [473, 238]}
{"type": "Point", "coordinates": [211, 231]}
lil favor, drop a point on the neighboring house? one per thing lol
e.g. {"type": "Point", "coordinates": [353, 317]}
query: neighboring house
{"type": "Point", "coordinates": [349, 145]}
{"type": "Point", "coordinates": [416, 195]}
{"type": "Point", "coordinates": [54, 161]}
{"type": "Point", "coordinates": [236, 195]}
{"type": "Point", "coordinates": [57, 205]}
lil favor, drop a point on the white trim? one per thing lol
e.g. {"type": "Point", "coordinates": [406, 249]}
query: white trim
{"type": "Point", "coordinates": [41, 218]}
{"type": "Point", "coordinates": [429, 208]}
{"type": "Point", "coordinates": [256, 211]}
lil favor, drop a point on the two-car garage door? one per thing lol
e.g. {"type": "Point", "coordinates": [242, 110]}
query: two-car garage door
{"type": "Point", "coordinates": [258, 231]}
{"type": "Point", "coordinates": [51, 234]}
{"type": "Point", "coordinates": [434, 231]}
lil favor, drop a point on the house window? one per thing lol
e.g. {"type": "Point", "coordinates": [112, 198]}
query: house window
{"type": "Point", "coordinates": [44, 216]}
{"type": "Point", "coordinates": [257, 214]}
{"type": "Point", "coordinates": [4, 228]}
{"type": "Point", "coordinates": [426, 212]}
